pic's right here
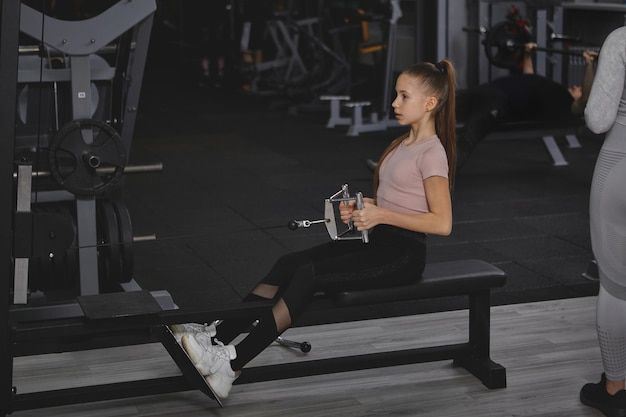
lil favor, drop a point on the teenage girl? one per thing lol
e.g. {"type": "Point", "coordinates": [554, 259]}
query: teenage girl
{"type": "Point", "coordinates": [412, 185]}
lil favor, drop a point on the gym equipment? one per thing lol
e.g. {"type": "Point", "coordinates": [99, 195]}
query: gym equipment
{"type": "Point", "coordinates": [52, 262]}
{"type": "Point", "coordinates": [304, 347]}
{"type": "Point", "coordinates": [341, 196]}
{"type": "Point", "coordinates": [78, 93]}
{"type": "Point", "coordinates": [301, 63]}
{"type": "Point", "coordinates": [74, 162]}
{"type": "Point", "coordinates": [69, 106]}
{"type": "Point", "coordinates": [93, 229]}
{"type": "Point", "coordinates": [185, 363]}
{"type": "Point", "coordinates": [378, 120]}
{"type": "Point", "coordinates": [504, 45]}
{"type": "Point", "coordinates": [68, 109]}
{"type": "Point", "coordinates": [470, 278]}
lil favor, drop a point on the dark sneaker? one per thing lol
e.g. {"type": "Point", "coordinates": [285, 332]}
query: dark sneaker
{"type": "Point", "coordinates": [595, 395]}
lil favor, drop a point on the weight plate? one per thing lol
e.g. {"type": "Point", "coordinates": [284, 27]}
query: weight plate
{"type": "Point", "coordinates": [87, 167]}
{"type": "Point", "coordinates": [504, 45]}
{"type": "Point", "coordinates": [109, 255]}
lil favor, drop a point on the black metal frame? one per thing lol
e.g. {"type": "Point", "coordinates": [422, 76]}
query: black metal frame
{"type": "Point", "coordinates": [472, 355]}
{"type": "Point", "coordinates": [9, 46]}
{"type": "Point", "coordinates": [470, 278]}
{"type": "Point", "coordinates": [151, 326]}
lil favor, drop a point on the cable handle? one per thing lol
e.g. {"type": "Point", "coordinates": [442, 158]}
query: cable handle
{"type": "Point", "coordinates": [360, 205]}
{"type": "Point", "coordinates": [298, 224]}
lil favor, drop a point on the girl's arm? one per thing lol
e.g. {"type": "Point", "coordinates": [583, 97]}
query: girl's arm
{"type": "Point", "coordinates": [437, 221]}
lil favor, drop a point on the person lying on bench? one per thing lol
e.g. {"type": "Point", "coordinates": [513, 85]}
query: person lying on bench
{"type": "Point", "coordinates": [413, 198]}
{"type": "Point", "coordinates": [520, 97]}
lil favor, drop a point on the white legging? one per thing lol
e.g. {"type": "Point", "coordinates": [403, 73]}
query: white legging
{"type": "Point", "coordinates": [611, 327]}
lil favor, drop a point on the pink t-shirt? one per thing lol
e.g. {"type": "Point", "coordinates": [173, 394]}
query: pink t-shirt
{"type": "Point", "coordinates": [402, 175]}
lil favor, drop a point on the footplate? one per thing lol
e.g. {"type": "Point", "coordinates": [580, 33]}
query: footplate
{"type": "Point", "coordinates": [182, 359]}
{"type": "Point", "coordinates": [131, 304]}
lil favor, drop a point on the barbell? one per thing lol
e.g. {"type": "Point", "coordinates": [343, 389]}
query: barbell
{"type": "Point", "coordinates": [505, 44]}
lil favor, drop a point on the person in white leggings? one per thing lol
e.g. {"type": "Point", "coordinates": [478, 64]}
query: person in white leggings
{"type": "Point", "coordinates": [606, 113]}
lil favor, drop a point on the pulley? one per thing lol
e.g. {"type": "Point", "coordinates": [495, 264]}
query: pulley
{"type": "Point", "coordinates": [85, 167]}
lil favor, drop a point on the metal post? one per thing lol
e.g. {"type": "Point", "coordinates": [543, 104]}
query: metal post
{"type": "Point", "coordinates": [9, 45]}
{"type": "Point", "coordinates": [134, 76]}
{"type": "Point", "coordinates": [442, 29]}
{"type": "Point", "coordinates": [396, 14]}
{"type": "Point", "coordinates": [541, 37]}
{"type": "Point", "coordinates": [473, 46]}
{"type": "Point", "coordinates": [557, 27]}
{"type": "Point", "coordinates": [23, 194]}
{"type": "Point", "coordinates": [85, 206]}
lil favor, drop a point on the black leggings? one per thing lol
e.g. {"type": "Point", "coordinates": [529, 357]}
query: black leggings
{"type": "Point", "coordinates": [392, 257]}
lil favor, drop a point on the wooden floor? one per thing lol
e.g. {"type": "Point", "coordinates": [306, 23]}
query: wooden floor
{"type": "Point", "coordinates": [549, 349]}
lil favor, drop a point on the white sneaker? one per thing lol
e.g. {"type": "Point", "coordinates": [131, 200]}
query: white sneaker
{"type": "Point", "coordinates": [178, 330]}
{"type": "Point", "coordinates": [206, 357]}
{"type": "Point", "coordinates": [221, 381]}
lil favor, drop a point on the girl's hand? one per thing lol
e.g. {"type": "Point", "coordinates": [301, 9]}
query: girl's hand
{"type": "Point", "coordinates": [346, 209]}
{"type": "Point", "coordinates": [366, 218]}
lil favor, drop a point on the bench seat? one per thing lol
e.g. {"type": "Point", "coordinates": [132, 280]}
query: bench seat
{"type": "Point", "coordinates": [472, 278]}
{"type": "Point", "coordinates": [441, 279]}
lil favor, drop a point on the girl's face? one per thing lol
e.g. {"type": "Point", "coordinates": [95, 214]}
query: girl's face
{"type": "Point", "coordinates": [411, 104]}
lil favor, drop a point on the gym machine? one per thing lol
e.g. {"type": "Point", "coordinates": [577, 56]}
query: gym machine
{"type": "Point", "coordinates": [77, 93]}
{"type": "Point", "coordinates": [300, 61]}
{"type": "Point", "coordinates": [70, 92]}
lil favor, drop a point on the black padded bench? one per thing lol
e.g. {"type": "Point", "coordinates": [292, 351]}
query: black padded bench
{"type": "Point", "coordinates": [472, 278]}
